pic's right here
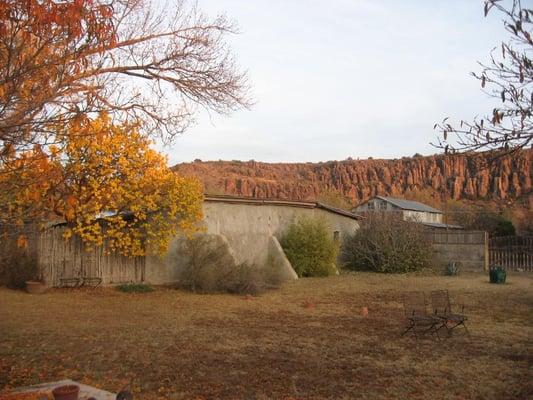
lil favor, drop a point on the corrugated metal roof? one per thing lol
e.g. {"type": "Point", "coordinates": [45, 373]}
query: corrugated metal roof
{"type": "Point", "coordinates": [410, 205]}
{"type": "Point", "coordinates": [338, 211]}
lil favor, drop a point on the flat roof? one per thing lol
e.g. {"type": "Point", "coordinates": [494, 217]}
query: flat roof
{"type": "Point", "coordinates": [279, 202]}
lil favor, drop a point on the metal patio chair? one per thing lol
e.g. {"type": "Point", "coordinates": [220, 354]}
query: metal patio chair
{"type": "Point", "coordinates": [419, 322]}
{"type": "Point", "coordinates": [442, 308]}
{"type": "Point", "coordinates": [91, 281]}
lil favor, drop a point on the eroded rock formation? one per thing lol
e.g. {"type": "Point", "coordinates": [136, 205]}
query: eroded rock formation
{"type": "Point", "coordinates": [465, 177]}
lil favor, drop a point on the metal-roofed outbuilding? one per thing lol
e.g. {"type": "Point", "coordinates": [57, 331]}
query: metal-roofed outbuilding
{"type": "Point", "coordinates": [410, 210]}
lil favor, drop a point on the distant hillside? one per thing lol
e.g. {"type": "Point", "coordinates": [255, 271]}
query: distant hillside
{"type": "Point", "coordinates": [468, 177]}
{"type": "Point", "coordinates": [504, 184]}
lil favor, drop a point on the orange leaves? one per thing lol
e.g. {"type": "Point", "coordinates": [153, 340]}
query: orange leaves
{"type": "Point", "coordinates": [67, 234]}
{"type": "Point", "coordinates": [107, 183]}
{"type": "Point", "coordinates": [49, 17]}
{"type": "Point", "coordinates": [43, 45]}
{"type": "Point", "coordinates": [72, 202]}
{"type": "Point", "coordinates": [22, 242]}
{"type": "Point", "coordinates": [25, 181]}
{"type": "Point", "coordinates": [69, 207]}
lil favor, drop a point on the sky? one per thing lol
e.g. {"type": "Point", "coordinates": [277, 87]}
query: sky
{"type": "Point", "coordinates": [346, 78]}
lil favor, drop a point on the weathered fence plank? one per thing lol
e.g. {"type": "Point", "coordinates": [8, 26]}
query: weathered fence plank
{"type": "Point", "coordinates": [60, 258]}
{"type": "Point", "coordinates": [512, 252]}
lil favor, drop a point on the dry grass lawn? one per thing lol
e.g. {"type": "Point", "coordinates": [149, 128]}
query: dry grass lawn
{"type": "Point", "coordinates": [304, 341]}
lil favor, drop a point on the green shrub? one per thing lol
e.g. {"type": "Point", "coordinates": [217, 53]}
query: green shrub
{"type": "Point", "coordinates": [494, 223]}
{"type": "Point", "coordinates": [481, 219]}
{"type": "Point", "coordinates": [213, 269]}
{"type": "Point", "coordinates": [386, 243]}
{"type": "Point", "coordinates": [135, 288]}
{"type": "Point", "coordinates": [310, 248]}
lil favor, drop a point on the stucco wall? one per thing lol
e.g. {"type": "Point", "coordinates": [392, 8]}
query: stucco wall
{"type": "Point", "coordinates": [469, 248]}
{"type": "Point", "coordinates": [248, 227]}
{"type": "Point", "coordinates": [248, 233]}
{"type": "Point", "coordinates": [279, 262]}
{"type": "Point", "coordinates": [472, 257]}
{"type": "Point", "coordinates": [168, 269]}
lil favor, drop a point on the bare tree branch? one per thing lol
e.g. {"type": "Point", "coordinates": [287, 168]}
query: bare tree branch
{"type": "Point", "coordinates": [124, 57]}
{"type": "Point", "coordinates": [508, 79]}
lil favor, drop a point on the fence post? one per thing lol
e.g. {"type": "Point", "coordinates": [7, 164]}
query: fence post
{"type": "Point", "coordinates": [486, 240]}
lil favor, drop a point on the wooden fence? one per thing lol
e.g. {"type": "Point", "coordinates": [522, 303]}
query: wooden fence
{"type": "Point", "coordinates": [457, 237]}
{"type": "Point", "coordinates": [512, 252]}
{"type": "Point", "coordinates": [59, 258]}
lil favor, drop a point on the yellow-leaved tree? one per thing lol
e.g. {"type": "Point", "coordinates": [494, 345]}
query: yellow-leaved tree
{"type": "Point", "coordinates": [108, 185]}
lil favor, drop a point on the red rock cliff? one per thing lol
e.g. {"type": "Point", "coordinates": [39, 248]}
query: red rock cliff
{"type": "Point", "coordinates": [468, 176]}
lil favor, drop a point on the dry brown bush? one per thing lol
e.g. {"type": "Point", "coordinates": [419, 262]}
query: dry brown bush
{"type": "Point", "coordinates": [387, 243]}
{"type": "Point", "coordinates": [17, 264]}
{"type": "Point", "coordinates": [213, 269]}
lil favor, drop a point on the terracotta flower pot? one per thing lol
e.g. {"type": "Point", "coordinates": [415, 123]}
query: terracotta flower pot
{"type": "Point", "coordinates": [35, 287]}
{"type": "Point", "coordinates": [66, 392]}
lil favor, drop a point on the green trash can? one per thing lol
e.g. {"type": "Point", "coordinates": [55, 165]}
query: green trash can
{"type": "Point", "coordinates": [497, 274]}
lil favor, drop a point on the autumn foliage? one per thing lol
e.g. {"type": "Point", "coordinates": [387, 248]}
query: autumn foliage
{"type": "Point", "coordinates": [64, 59]}
{"type": "Point", "coordinates": [84, 85]}
{"type": "Point", "coordinates": [106, 183]}
{"type": "Point", "coordinates": [44, 47]}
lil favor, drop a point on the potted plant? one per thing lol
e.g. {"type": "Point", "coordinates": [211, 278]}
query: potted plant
{"type": "Point", "coordinates": [66, 392]}
{"type": "Point", "coordinates": [36, 287]}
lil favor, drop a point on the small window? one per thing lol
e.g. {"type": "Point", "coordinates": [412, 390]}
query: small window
{"type": "Point", "coordinates": [382, 205]}
{"type": "Point", "coordinates": [371, 205]}
{"type": "Point", "coordinates": [336, 236]}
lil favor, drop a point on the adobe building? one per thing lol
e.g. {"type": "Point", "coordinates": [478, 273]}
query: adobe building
{"type": "Point", "coordinates": [248, 228]}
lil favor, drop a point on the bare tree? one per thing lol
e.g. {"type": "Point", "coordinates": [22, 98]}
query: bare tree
{"type": "Point", "coordinates": [509, 79]}
{"type": "Point", "coordinates": [128, 58]}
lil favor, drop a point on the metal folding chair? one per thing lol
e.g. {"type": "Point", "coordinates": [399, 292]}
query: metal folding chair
{"type": "Point", "coordinates": [91, 281]}
{"type": "Point", "coordinates": [442, 309]}
{"type": "Point", "coordinates": [419, 322]}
